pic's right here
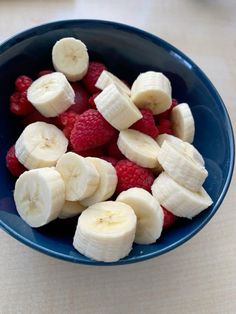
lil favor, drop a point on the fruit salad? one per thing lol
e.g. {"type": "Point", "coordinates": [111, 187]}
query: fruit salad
{"type": "Point", "coordinates": [119, 157]}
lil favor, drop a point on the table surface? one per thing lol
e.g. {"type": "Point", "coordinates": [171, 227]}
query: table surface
{"type": "Point", "coordinates": [199, 276]}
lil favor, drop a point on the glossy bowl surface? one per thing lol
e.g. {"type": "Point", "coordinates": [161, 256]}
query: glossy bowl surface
{"type": "Point", "coordinates": [126, 51]}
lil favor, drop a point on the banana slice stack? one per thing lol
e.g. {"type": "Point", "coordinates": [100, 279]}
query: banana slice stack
{"type": "Point", "coordinates": [62, 184]}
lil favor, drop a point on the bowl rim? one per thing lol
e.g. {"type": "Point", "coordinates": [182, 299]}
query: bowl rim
{"type": "Point", "coordinates": [9, 42]}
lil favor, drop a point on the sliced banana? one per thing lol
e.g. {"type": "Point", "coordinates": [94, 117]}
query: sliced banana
{"type": "Point", "coordinates": [182, 122]}
{"type": "Point", "coordinates": [39, 196]}
{"type": "Point", "coordinates": [181, 167]}
{"type": "Point", "coordinates": [70, 56]}
{"type": "Point", "coordinates": [184, 147]}
{"type": "Point", "coordinates": [79, 174]}
{"type": "Point", "coordinates": [105, 231]}
{"type": "Point", "coordinates": [139, 148]}
{"type": "Point", "coordinates": [51, 94]}
{"type": "Point", "coordinates": [40, 145]}
{"type": "Point", "coordinates": [107, 183]}
{"type": "Point", "coordinates": [117, 108]}
{"type": "Point", "coordinates": [152, 90]}
{"type": "Point", "coordinates": [149, 214]}
{"type": "Point", "coordinates": [71, 209]}
{"type": "Point", "coordinates": [179, 200]}
{"type": "Point", "coordinates": [106, 78]}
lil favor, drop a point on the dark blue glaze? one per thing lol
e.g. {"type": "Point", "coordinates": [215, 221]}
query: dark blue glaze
{"type": "Point", "coordinates": [126, 51]}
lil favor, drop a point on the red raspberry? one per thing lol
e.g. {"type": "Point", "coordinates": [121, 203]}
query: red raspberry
{"type": "Point", "coordinates": [165, 127]}
{"type": "Point", "coordinates": [131, 175]}
{"type": "Point", "coordinates": [44, 72]}
{"type": "Point", "coordinates": [22, 83]}
{"type": "Point", "coordinates": [113, 149]}
{"type": "Point", "coordinates": [35, 116]}
{"type": "Point", "coordinates": [93, 73]}
{"type": "Point", "coordinates": [67, 120]}
{"type": "Point", "coordinates": [169, 218]}
{"type": "Point", "coordinates": [90, 130]}
{"type": "Point", "coordinates": [91, 100]}
{"type": "Point", "coordinates": [19, 104]}
{"type": "Point", "coordinates": [12, 163]}
{"type": "Point", "coordinates": [112, 160]}
{"type": "Point", "coordinates": [81, 98]}
{"type": "Point", "coordinates": [93, 152]}
{"type": "Point", "coordinates": [166, 114]}
{"type": "Point", "coordinates": [146, 124]}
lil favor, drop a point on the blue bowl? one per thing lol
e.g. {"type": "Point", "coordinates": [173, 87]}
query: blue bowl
{"type": "Point", "coordinates": [126, 51]}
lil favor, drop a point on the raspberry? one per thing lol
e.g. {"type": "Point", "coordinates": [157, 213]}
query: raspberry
{"type": "Point", "coordinates": [93, 152]}
{"type": "Point", "coordinates": [113, 149]}
{"type": "Point", "coordinates": [35, 116]}
{"type": "Point", "coordinates": [67, 120]}
{"type": "Point", "coordinates": [12, 163]}
{"type": "Point", "coordinates": [22, 83]}
{"type": "Point", "coordinates": [166, 114]}
{"type": "Point", "coordinates": [112, 160]}
{"type": "Point", "coordinates": [165, 126]}
{"type": "Point", "coordinates": [19, 104]}
{"type": "Point", "coordinates": [91, 100]}
{"type": "Point", "coordinates": [44, 72]}
{"type": "Point", "coordinates": [81, 98]}
{"type": "Point", "coordinates": [146, 124]}
{"type": "Point", "coordinates": [169, 218]}
{"type": "Point", "coordinates": [131, 175]}
{"type": "Point", "coordinates": [90, 130]}
{"type": "Point", "coordinates": [93, 73]}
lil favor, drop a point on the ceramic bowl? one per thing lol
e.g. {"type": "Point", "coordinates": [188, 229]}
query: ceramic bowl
{"type": "Point", "coordinates": [126, 51]}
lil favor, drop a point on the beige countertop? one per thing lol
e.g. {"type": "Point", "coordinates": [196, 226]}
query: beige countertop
{"type": "Point", "coordinates": [198, 277]}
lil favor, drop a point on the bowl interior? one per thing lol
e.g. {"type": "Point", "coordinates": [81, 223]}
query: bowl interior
{"type": "Point", "coordinates": [126, 51]}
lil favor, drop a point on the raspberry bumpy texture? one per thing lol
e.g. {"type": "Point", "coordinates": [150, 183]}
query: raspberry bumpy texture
{"type": "Point", "coordinates": [131, 175]}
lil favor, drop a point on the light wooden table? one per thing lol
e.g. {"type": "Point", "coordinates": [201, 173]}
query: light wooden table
{"type": "Point", "coordinates": [198, 277]}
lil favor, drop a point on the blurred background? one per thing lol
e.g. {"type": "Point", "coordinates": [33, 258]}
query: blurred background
{"type": "Point", "coordinates": [198, 277]}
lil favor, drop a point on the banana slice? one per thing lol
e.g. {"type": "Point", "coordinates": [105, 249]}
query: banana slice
{"type": "Point", "coordinates": [80, 176]}
{"type": "Point", "coordinates": [182, 122]}
{"type": "Point", "coordinates": [179, 200]}
{"type": "Point", "coordinates": [139, 148]}
{"type": "Point", "coordinates": [106, 78]}
{"type": "Point", "coordinates": [152, 90]}
{"type": "Point", "coordinates": [70, 56]}
{"type": "Point", "coordinates": [71, 209]}
{"type": "Point", "coordinates": [183, 147]}
{"type": "Point", "coordinates": [117, 108]}
{"type": "Point", "coordinates": [149, 214]}
{"type": "Point", "coordinates": [105, 231]}
{"type": "Point", "coordinates": [39, 196]}
{"type": "Point", "coordinates": [40, 145]}
{"type": "Point", "coordinates": [107, 183]}
{"type": "Point", "coordinates": [51, 94]}
{"type": "Point", "coordinates": [181, 167]}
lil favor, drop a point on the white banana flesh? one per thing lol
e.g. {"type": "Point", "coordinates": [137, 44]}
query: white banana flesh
{"type": "Point", "coordinates": [182, 146]}
{"type": "Point", "coordinates": [70, 56]}
{"type": "Point", "coordinates": [152, 90]}
{"type": "Point", "coordinates": [40, 145]}
{"type": "Point", "coordinates": [177, 199]}
{"type": "Point", "coordinates": [105, 231]}
{"type": "Point", "coordinates": [39, 196]}
{"type": "Point", "coordinates": [139, 148]}
{"type": "Point", "coordinates": [71, 209]}
{"type": "Point", "coordinates": [181, 167]}
{"type": "Point", "coordinates": [107, 183]}
{"type": "Point", "coordinates": [106, 78]}
{"type": "Point", "coordinates": [79, 174]}
{"type": "Point", "coordinates": [149, 214]}
{"type": "Point", "coordinates": [51, 94]}
{"type": "Point", "coordinates": [182, 122]}
{"type": "Point", "coordinates": [117, 108]}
